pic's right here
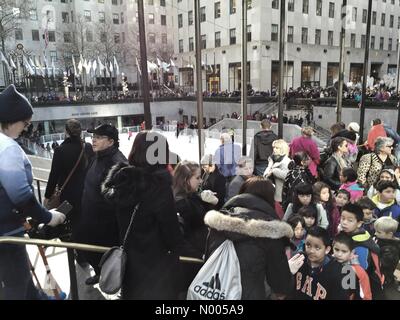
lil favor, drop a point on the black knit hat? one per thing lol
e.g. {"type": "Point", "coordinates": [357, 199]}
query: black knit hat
{"type": "Point", "coordinates": [14, 106]}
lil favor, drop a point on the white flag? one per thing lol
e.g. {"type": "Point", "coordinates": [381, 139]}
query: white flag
{"type": "Point", "coordinates": [159, 63]}
{"type": "Point", "coordinates": [27, 65]}
{"type": "Point", "coordinates": [53, 67]}
{"type": "Point", "coordinates": [80, 66]}
{"type": "Point", "coordinates": [74, 64]}
{"type": "Point", "coordinates": [138, 67]}
{"type": "Point", "coordinates": [12, 63]}
{"type": "Point", "coordinates": [4, 60]}
{"type": "Point", "coordinates": [111, 68]}
{"type": "Point", "coordinates": [101, 66]}
{"type": "Point", "coordinates": [94, 66]}
{"type": "Point", "coordinates": [88, 67]}
{"type": "Point", "coordinates": [39, 64]}
{"type": "Point", "coordinates": [116, 66]}
{"type": "Point", "coordinates": [33, 65]}
{"type": "Point", "coordinates": [172, 64]}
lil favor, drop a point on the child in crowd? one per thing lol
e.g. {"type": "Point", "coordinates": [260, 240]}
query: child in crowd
{"type": "Point", "coordinates": [298, 225]}
{"type": "Point", "coordinates": [303, 196]}
{"type": "Point", "coordinates": [385, 201]}
{"type": "Point", "coordinates": [342, 198]}
{"type": "Point", "coordinates": [365, 248]}
{"type": "Point", "coordinates": [385, 175]}
{"type": "Point", "coordinates": [320, 276]}
{"type": "Point", "coordinates": [323, 195]}
{"type": "Point", "coordinates": [368, 207]}
{"type": "Point", "coordinates": [343, 246]}
{"type": "Point", "coordinates": [385, 228]}
{"type": "Point", "coordinates": [348, 178]}
{"type": "Point", "coordinates": [310, 215]}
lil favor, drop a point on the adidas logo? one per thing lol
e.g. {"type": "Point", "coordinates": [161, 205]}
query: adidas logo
{"type": "Point", "coordinates": [211, 289]}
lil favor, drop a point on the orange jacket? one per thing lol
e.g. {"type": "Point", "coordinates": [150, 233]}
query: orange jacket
{"type": "Point", "coordinates": [375, 132]}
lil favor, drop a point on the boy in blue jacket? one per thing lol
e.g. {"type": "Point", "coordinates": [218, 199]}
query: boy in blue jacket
{"type": "Point", "coordinates": [365, 248]}
{"type": "Point", "coordinates": [385, 201]}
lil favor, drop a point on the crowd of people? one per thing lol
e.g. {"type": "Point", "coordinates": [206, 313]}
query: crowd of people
{"type": "Point", "coordinates": [300, 220]}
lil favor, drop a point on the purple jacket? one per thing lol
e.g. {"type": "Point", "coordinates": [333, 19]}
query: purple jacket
{"type": "Point", "coordinates": [309, 146]}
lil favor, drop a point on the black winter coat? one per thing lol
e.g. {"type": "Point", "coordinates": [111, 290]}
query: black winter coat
{"type": "Point", "coordinates": [97, 224]}
{"type": "Point", "coordinates": [332, 173]}
{"type": "Point", "coordinates": [152, 267]}
{"type": "Point", "coordinates": [215, 182]}
{"type": "Point", "coordinates": [263, 145]}
{"type": "Point", "coordinates": [259, 239]}
{"type": "Point", "coordinates": [64, 160]}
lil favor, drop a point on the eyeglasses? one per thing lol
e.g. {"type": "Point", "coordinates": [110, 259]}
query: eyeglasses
{"type": "Point", "coordinates": [27, 123]}
{"type": "Point", "coordinates": [389, 147]}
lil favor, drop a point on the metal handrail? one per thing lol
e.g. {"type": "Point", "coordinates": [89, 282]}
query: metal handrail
{"type": "Point", "coordinates": [73, 245]}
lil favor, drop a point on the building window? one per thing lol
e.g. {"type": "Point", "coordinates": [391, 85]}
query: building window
{"type": "Point", "coordinates": [319, 8]}
{"type": "Point", "coordinates": [152, 37]}
{"type": "Point", "coordinates": [123, 37]}
{"type": "Point", "coordinates": [67, 37]}
{"type": "Point", "coordinates": [305, 6]}
{"type": "Point", "coordinates": [381, 43]}
{"type": "Point", "coordinates": [373, 18]}
{"type": "Point", "coordinates": [217, 10]}
{"type": "Point", "coordinates": [88, 16]}
{"type": "Point", "coordinates": [217, 39]}
{"type": "Point", "coordinates": [180, 21]}
{"type": "Point", "coordinates": [33, 14]}
{"type": "Point", "coordinates": [353, 40]}
{"type": "Point", "coordinates": [274, 32]}
{"type": "Point", "coordinates": [203, 41]}
{"type": "Point", "coordinates": [232, 6]}
{"type": "Point", "coordinates": [291, 5]}
{"type": "Point", "coordinates": [363, 41]}
{"type": "Point", "coordinates": [191, 44]}
{"type": "Point", "coordinates": [53, 56]}
{"type": "Point", "coordinates": [249, 4]}
{"type": "Point", "coordinates": [117, 38]}
{"type": "Point", "coordinates": [35, 35]}
{"type": "Point", "coordinates": [354, 14]}
{"type": "Point", "coordinates": [180, 46]}
{"type": "Point", "coordinates": [162, 3]}
{"type": "Point", "coordinates": [249, 33]}
{"type": "Point", "coordinates": [364, 16]}
{"type": "Point", "coordinates": [331, 9]}
{"type": "Point", "coordinates": [122, 18]}
{"type": "Point", "coordinates": [52, 36]}
{"type": "Point", "coordinates": [391, 21]}
{"type": "Point", "coordinates": [390, 44]}
{"type": "Point", "coordinates": [202, 14]}
{"type": "Point", "coordinates": [383, 16]}
{"type": "Point", "coordinates": [372, 42]}
{"type": "Point", "coordinates": [232, 36]}
{"type": "Point", "coordinates": [163, 20]}
{"type": "Point", "coordinates": [330, 38]}
{"type": "Point", "coordinates": [65, 17]}
{"type": "Point", "coordinates": [102, 17]}
{"type": "Point", "coordinates": [290, 34]}
{"type": "Point", "coordinates": [150, 2]}
{"type": "Point", "coordinates": [89, 36]}
{"type": "Point", "coordinates": [304, 35]}
{"type": "Point", "coordinates": [164, 38]}
{"type": "Point", "coordinates": [151, 18]}
{"type": "Point", "coordinates": [19, 34]}
{"type": "Point", "coordinates": [275, 4]}
{"type": "Point", "coordinates": [190, 17]}
{"type": "Point", "coordinates": [103, 37]}
{"type": "Point", "coordinates": [317, 36]}
{"type": "Point", "coordinates": [114, 2]}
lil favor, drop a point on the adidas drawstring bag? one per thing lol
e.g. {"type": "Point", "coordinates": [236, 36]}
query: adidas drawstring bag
{"type": "Point", "coordinates": [219, 278]}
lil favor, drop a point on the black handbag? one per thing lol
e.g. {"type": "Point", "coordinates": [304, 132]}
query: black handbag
{"type": "Point", "coordinates": [113, 264]}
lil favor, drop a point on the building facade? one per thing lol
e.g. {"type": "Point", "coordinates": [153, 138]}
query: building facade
{"type": "Point", "coordinates": [52, 31]}
{"type": "Point", "coordinates": [312, 42]}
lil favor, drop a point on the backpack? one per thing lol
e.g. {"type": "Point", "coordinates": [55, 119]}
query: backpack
{"type": "Point", "coordinates": [219, 278]}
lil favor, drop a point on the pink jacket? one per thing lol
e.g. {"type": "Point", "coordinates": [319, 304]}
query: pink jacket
{"type": "Point", "coordinates": [356, 192]}
{"type": "Point", "coordinates": [309, 146]}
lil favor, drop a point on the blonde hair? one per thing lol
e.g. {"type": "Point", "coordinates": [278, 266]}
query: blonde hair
{"type": "Point", "coordinates": [282, 145]}
{"type": "Point", "coordinates": [386, 224]}
{"type": "Point", "coordinates": [307, 131]}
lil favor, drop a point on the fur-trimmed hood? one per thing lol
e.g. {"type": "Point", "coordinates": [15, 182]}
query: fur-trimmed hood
{"type": "Point", "coordinates": [127, 185]}
{"type": "Point", "coordinates": [255, 228]}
